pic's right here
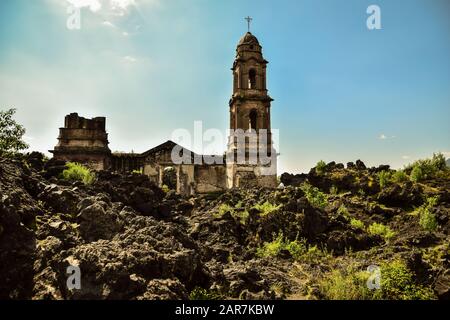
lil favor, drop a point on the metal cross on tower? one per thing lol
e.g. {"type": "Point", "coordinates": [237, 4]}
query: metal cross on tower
{"type": "Point", "coordinates": [249, 20]}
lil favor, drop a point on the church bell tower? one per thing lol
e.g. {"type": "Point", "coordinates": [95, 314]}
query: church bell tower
{"type": "Point", "coordinates": [250, 106]}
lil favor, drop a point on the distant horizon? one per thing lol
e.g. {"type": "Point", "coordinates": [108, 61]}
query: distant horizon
{"type": "Point", "coordinates": [341, 92]}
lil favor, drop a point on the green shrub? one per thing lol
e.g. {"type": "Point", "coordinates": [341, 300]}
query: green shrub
{"type": "Point", "coordinates": [314, 254]}
{"type": "Point", "coordinates": [345, 285]}
{"type": "Point", "coordinates": [271, 249]}
{"type": "Point", "coordinates": [321, 167]}
{"type": "Point", "coordinates": [396, 283]}
{"type": "Point", "coordinates": [140, 171]}
{"type": "Point", "coordinates": [165, 188]}
{"type": "Point", "coordinates": [381, 230]}
{"type": "Point", "coordinates": [78, 172]}
{"type": "Point", "coordinates": [237, 213]}
{"type": "Point", "coordinates": [223, 209]}
{"type": "Point", "coordinates": [416, 174]}
{"type": "Point", "coordinates": [343, 211]}
{"type": "Point", "coordinates": [315, 197]}
{"type": "Point", "coordinates": [427, 168]}
{"type": "Point", "coordinates": [298, 249]}
{"type": "Point", "coordinates": [399, 176]}
{"type": "Point", "coordinates": [199, 293]}
{"type": "Point", "coordinates": [427, 219]}
{"type": "Point", "coordinates": [384, 178]}
{"type": "Point", "coordinates": [355, 223]}
{"type": "Point", "coordinates": [266, 208]}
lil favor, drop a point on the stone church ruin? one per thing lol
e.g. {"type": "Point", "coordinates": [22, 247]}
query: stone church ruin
{"type": "Point", "coordinates": [86, 140]}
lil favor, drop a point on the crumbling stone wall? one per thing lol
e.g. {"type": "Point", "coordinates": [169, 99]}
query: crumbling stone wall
{"type": "Point", "coordinates": [210, 178]}
{"type": "Point", "coordinates": [85, 141]}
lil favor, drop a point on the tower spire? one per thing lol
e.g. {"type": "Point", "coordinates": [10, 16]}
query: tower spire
{"type": "Point", "coordinates": [249, 20]}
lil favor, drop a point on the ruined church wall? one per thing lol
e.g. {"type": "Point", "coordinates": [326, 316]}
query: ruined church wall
{"type": "Point", "coordinates": [210, 178]}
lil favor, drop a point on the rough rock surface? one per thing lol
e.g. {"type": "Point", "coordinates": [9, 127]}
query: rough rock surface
{"type": "Point", "coordinates": [131, 240]}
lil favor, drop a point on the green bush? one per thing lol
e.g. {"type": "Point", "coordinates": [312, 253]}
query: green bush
{"type": "Point", "coordinates": [238, 212]}
{"type": "Point", "coordinates": [355, 223]}
{"type": "Point", "coordinates": [343, 211]}
{"type": "Point", "coordinates": [78, 172]}
{"type": "Point", "coordinates": [345, 285]}
{"type": "Point", "coordinates": [427, 219]}
{"type": "Point", "coordinates": [321, 167]}
{"type": "Point", "coordinates": [381, 230]}
{"type": "Point", "coordinates": [199, 293]}
{"type": "Point", "coordinates": [416, 174]}
{"type": "Point", "coordinates": [314, 254]}
{"type": "Point", "coordinates": [271, 249]}
{"type": "Point", "coordinates": [298, 249]}
{"type": "Point", "coordinates": [315, 197]}
{"type": "Point", "coordinates": [396, 283]}
{"type": "Point", "coordinates": [384, 178]}
{"type": "Point", "coordinates": [427, 168]}
{"type": "Point", "coordinates": [399, 176]}
{"type": "Point", "coordinates": [266, 208]}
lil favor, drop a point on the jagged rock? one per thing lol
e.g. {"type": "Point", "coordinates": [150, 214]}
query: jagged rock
{"type": "Point", "coordinates": [164, 289]}
{"type": "Point", "coordinates": [60, 199]}
{"type": "Point", "coordinates": [339, 241]}
{"type": "Point", "coordinates": [35, 160]}
{"type": "Point", "coordinates": [293, 180]}
{"type": "Point", "coordinates": [98, 221]}
{"type": "Point", "coordinates": [54, 168]}
{"type": "Point", "coordinates": [360, 165]}
{"type": "Point", "coordinates": [405, 195]}
{"type": "Point", "coordinates": [133, 241]}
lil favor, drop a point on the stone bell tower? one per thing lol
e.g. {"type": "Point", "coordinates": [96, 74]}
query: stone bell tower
{"type": "Point", "coordinates": [250, 106]}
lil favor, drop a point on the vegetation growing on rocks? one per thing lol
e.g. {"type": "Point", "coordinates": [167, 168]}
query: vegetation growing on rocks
{"type": "Point", "coordinates": [78, 172]}
{"type": "Point", "coordinates": [132, 240]}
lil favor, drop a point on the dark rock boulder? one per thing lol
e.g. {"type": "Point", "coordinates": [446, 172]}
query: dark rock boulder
{"type": "Point", "coordinates": [98, 221]}
{"type": "Point", "coordinates": [405, 195]}
{"type": "Point", "coordinates": [293, 180]}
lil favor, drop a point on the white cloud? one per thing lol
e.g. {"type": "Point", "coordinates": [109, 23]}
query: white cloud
{"type": "Point", "coordinates": [93, 5]}
{"type": "Point", "coordinates": [121, 4]}
{"type": "Point", "coordinates": [125, 34]}
{"type": "Point", "coordinates": [108, 24]}
{"type": "Point", "coordinates": [406, 157]}
{"type": "Point", "coordinates": [130, 59]}
{"type": "Point", "coordinates": [385, 137]}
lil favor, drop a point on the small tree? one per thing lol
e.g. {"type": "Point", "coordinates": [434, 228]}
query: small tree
{"type": "Point", "coordinates": [11, 134]}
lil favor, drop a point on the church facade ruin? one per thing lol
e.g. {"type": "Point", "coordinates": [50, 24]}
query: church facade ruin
{"type": "Point", "coordinates": [250, 159]}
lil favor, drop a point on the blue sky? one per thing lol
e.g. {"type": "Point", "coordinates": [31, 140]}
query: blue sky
{"type": "Point", "coordinates": [342, 92]}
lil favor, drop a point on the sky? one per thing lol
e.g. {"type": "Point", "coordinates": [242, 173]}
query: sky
{"type": "Point", "coordinates": [341, 91]}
